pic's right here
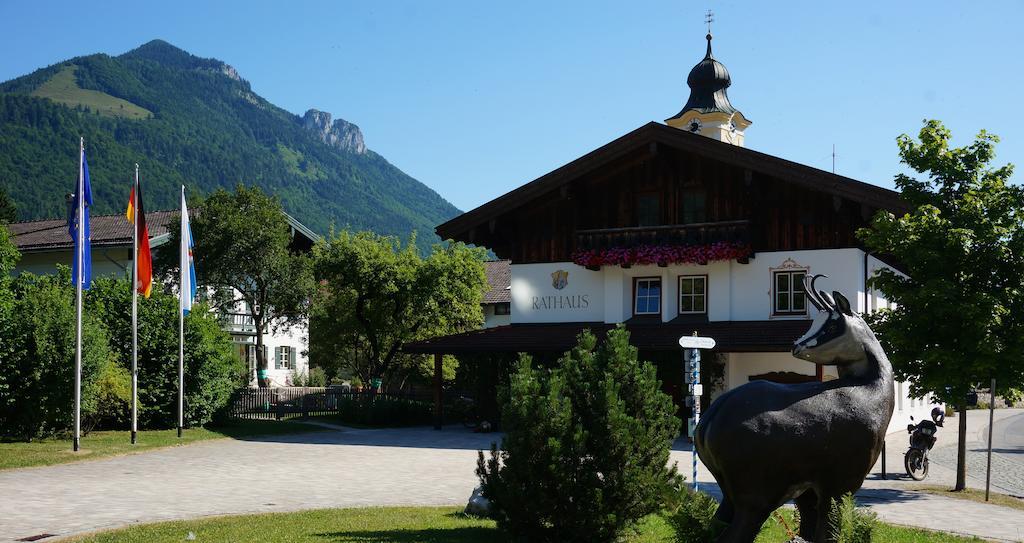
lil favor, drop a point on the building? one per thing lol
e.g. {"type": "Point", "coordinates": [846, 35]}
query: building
{"type": "Point", "coordinates": [497, 303]}
{"type": "Point", "coordinates": [44, 244]}
{"type": "Point", "coordinates": [673, 229]}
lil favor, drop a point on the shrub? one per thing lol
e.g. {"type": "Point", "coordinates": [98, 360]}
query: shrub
{"type": "Point", "coordinates": [849, 523]}
{"type": "Point", "coordinates": [37, 370]}
{"type": "Point", "coordinates": [317, 377]}
{"type": "Point", "coordinates": [212, 369]}
{"type": "Point", "coordinates": [112, 397]}
{"type": "Point", "coordinates": [373, 410]}
{"type": "Point", "coordinates": [694, 518]}
{"type": "Point", "coordinates": [587, 445]}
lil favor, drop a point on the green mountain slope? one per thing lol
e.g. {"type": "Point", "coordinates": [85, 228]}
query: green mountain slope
{"type": "Point", "coordinates": [193, 121]}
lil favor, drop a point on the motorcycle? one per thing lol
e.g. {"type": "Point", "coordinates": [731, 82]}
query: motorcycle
{"type": "Point", "coordinates": [922, 439]}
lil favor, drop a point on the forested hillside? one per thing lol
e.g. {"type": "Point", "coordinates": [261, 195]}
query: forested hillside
{"type": "Point", "coordinates": [192, 121]}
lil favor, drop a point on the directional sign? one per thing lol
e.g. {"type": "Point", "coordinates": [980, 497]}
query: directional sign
{"type": "Point", "coordinates": [696, 342]}
{"type": "Point", "coordinates": [697, 389]}
{"type": "Point", "coordinates": [691, 426]}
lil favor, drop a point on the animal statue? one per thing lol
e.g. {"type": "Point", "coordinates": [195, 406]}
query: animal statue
{"type": "Point", "coordinates": [768, 443]}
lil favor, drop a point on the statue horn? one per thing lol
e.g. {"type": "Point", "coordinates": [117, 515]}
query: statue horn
{"type": "Point", "coordinates": [812, 293]}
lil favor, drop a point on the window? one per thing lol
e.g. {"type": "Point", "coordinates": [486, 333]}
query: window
{"type": "Point", "coordinates": [284, 357]}
{"type": "Point", "coordinates": [693, 294]}
{"type": "Point", "coordinates": [789, 293]}
{"type": "Point", "coordinates": [647, 294]}
{"type": "Point", "coordinates": [503, 309]}
{"type": "Point", "coordinates": [694, 206]}
{"type": "Point", "coordinates": [647, 210]}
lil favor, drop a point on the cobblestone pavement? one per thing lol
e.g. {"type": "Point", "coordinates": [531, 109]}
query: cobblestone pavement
{"type": "Point", "coordinates": [355, 468]}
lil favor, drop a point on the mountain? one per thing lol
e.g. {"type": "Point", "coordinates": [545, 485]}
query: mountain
{"type": "Point", "coordinates": [195, 122]}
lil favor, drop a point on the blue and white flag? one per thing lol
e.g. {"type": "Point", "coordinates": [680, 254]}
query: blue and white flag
{"type": "Point", "coordinates": [82, 252]}
{"type": "Point", "coordinates": [188, 268]}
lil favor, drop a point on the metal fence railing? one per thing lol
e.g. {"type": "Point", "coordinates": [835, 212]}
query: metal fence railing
{"type": "Point", "coordinates": [282, 403]}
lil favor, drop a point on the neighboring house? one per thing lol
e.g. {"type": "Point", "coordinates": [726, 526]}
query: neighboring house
{"type": "Point", "coordinates": [752, 225]}
{"type": "Point", "coordinates": [497, 304]}
{"type": "Point", "coordinates": [44, 244]}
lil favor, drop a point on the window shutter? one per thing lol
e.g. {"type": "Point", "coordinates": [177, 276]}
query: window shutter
{"type": "Point", "coordinates": [277, 358]}
{"type": "Point", "coordinates": [292, 351]}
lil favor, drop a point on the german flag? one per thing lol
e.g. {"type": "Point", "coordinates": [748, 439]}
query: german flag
{"type": "Point", "coordinates": [143, 258]}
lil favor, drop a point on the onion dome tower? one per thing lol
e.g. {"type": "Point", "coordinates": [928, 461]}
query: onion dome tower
{"type": "Point", "coordinates": [708, 111]}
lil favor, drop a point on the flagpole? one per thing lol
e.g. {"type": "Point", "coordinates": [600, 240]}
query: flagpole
{"type": "Point", "coordinates": [135, 304]}
{"type": "Point", "coordinates": [78, 290]}
{"type": "Point", "coordinates": [181, 317]}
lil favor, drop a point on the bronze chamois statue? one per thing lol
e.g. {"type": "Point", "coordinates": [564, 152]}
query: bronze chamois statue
{"type": "Point", "coordinates": [768, 443]}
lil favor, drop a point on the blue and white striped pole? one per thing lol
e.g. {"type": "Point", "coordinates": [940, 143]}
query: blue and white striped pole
{"type": "Point", "coordinates": [695, 391]}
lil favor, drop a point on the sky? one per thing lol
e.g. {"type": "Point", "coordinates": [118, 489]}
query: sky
{"type": "Point", "coordinates": [477, 98]}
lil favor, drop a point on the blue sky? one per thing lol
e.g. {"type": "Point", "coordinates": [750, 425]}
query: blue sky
{"type": "Point", "coordinates": [477, 98]}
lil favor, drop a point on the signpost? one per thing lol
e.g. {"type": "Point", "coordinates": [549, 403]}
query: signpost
{"type": "Point", "coordinates": [692, 345]}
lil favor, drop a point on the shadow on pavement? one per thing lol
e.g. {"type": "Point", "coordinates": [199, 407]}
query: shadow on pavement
{"type": "Point", "coordinates": [427, 535]}
{"type": "Point", "coordinates": [420, 437]}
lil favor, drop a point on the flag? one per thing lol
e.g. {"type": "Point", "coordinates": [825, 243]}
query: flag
{"type": "Point", "coordinates": [82, 253]}
{"type": "Point", "coordinates": [143, 256]}
{"type": "Point", "coordinates": [188, 268]}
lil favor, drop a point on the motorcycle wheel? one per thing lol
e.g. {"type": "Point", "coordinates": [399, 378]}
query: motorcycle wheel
{"type": "Point", "coordinates": [916, 464]}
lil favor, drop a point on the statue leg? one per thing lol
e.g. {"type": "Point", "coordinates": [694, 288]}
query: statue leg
{"type": "Point", "coordinates": [824, 529]}
{"type": "Point", "coordinates": [744, 527]}
{"type": "Point", "coordinates": [807, 505]}
{"type": "Point", "coordinates": [725, 511]}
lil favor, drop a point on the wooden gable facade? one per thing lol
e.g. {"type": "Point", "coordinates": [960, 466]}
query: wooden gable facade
{"type": "Point", "coordinates": [659, 184]}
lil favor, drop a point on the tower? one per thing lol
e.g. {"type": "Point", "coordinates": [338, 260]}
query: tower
{"type": "Point", "coordinates": [708, 111]}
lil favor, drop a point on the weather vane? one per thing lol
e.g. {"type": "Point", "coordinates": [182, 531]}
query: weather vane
{"type": "Point", "coordinates": [709, 18]}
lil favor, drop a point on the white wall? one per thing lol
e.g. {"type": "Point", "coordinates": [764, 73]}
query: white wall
{"type": "Point", "coordinates": [535, 298]}
{"type": "Point", "coordinates": [113, 261]}
{"type": "Point", "coordinates": [740, 292]}
{"type": "Point", "coordinates": [491, 320]}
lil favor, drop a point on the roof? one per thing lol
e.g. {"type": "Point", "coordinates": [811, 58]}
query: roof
{"type": "Point", "coordinates": [657, 133]}
{"type": "Point", "coordinates": [730, 336]}
{"type": "Point", "coordinates": [106, 231]}
{"type": "Point", "coordinates": [499, 281]}
{"type": "Point", "coordinates": [708, 81]}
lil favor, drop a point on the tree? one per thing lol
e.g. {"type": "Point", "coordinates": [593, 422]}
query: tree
{"type": "Point", "coordinates": [376, 295]}
{"type": "Point", "coordinates": [37, 363]}
{"type": "Point", "coordinates": [8, 212]}
{"type": "Point", "coordinates": [242, 248]}
{"type": "Point", "coordinates": [586, 448]}
{"type": "Point", "coordinates": [958, 318]}
{"type": "Point", "coordinates": [212, 369]}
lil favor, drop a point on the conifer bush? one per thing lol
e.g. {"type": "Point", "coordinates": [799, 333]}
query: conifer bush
{"type": "Point", "coordinates": [587, 444]}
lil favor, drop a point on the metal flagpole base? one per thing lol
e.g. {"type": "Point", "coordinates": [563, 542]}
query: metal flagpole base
{"type": "Point", "coordinates": [179, 431]}
{"type": "Point", "coordinates": [76, 444]}
{"type": "Point", "coordinates": [133, 437]}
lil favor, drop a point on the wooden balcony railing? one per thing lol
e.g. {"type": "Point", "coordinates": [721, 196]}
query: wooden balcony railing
{"type": "Point", "coordinates": [704, 233]}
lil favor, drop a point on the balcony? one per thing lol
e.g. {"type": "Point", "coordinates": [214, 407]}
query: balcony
{"type": "Point", "coordinates": [704, 233]}
{"type": "Point", "coordinates": [238, 323]}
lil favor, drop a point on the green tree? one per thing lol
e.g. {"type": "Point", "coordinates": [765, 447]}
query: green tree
{"type": "Point", "coordinates": [242, 248]}
{"type": "Point", "coordinates": [958, 318]}
{"type": "Point", "coordinates": [212, 369]}
{"type": "Point", "coordinates": [586, 448]}
{"type": "Point", "coordinates": [8, 212]}
{"type": "Point", "coordinates": [37, 366]}
{"type": "Point", "coordinates": [376, 295]}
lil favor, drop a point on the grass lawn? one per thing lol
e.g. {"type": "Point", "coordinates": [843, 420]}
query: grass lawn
{"type": "Point", "coordinates": [45, 452]}
{"type": "Point", "coordinates": [401, 525]}
{"type": "Point", "coordinates": [973, 495]}
{"type": "Point", "coordinates": [63, 88]}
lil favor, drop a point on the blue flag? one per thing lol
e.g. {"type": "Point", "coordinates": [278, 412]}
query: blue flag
{"type": "Point", "coordinates": [73, 220]}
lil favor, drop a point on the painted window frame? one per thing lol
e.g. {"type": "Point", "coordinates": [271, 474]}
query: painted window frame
{"type": "Point", "coordinates": [636, 295]}
{"type": "Point", "coordinates": [794, 288]}
{"type": "Point", "coordinates": [704, 294]}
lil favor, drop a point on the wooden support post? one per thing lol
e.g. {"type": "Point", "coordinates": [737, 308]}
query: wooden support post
{"type": "Point", "coordinates": [438, 399]}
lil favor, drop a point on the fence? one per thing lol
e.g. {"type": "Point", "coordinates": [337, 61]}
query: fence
{"type": "Point", "coordinates": [291, 402]}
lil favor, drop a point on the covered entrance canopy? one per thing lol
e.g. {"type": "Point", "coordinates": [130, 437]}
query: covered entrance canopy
{"type": "Point", "coordinates": [731, 336]}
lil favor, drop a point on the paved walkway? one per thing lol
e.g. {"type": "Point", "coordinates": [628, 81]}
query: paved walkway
{"type": "Point", "coordinates": [350, 468]}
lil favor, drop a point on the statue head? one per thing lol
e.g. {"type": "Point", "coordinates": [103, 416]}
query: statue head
{"type": "Point", "coordinates": [837, 335]}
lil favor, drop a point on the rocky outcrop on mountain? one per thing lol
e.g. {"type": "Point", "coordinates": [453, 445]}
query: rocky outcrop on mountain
{"type": "Point", "coordinates": [340, 134]}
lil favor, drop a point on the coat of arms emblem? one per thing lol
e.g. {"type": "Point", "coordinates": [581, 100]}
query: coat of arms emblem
{"type": "Point", "coordinates": [560, 279]}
